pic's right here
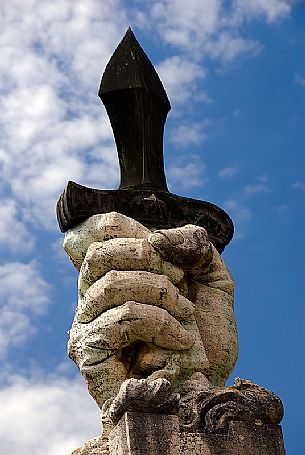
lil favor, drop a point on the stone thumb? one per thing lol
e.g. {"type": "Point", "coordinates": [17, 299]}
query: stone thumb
{"type": "Point", "coordinates": [186, 246]}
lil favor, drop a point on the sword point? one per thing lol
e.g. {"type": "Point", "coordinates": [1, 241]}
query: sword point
{"type": "Point", "coordinates": [128, 68]}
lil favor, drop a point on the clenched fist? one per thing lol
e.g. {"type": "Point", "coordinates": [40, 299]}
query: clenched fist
{"type": "Point", "coordinates": [150, 305]}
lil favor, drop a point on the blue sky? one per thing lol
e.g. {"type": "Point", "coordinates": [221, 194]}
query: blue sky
{"type": "Point", "coordinates": [234, 73]}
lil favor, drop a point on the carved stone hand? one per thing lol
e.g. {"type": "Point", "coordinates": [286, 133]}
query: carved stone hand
{"type": "Point", "coordinates": [151, 305]}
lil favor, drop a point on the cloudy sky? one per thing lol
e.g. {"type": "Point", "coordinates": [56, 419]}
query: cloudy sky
{"type": "Point", "coordinates": [234, 74]}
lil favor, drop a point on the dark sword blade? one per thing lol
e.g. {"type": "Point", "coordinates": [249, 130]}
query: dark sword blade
{"type": "Point", "coordinates": [137, 105]}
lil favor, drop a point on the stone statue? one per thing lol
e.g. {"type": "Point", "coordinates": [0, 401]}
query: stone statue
{"type": "Point", "coordinates": [153, 308]}
{"type": "Point", "coordinates": [151, 305]}
{"type": "Point", "coordinates": [154, 331]}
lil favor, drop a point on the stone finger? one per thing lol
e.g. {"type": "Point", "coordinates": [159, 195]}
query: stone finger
{"type": "Point", "coordinates": [121, 326]}
{"type": "Point", "coordinates": [123, 254]}
{"type": "Point", "coordinates": [99, 228]}
{"type": "Point", "coordinates": [117, 287]}
{"type": "Point", "coordinates": [186, 246]}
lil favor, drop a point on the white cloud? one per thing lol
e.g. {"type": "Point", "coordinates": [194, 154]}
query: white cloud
{"type": "Point", "coordinates": [257, 188]}
{"type": "Point", "coordinates": [228, 45]}
{"type": "Point", "coordinates": [209, 28]}
{"type": "Point", "coordinates": [14, 235]}
{"type": "Point", "coordinates": [226, 172]}
{"type": "Point", "coordinates": [52, 57]}
{"type": "Point", "coordinates": [281, 210]}
{"type": "Point", "coordinates": [188, 25]}
{"type": "Point", "coordinates": [180, 77]}
{"type": "Point", "coordinates": [298, 186]}
{"type": "Point", "coordinates": [23, 295]}
{"type": "Point", "coordinates": [187, 172]}
{"type": "Point", "coordinates": [262, 185]}
{"type": "Point", "coordinates": [299, 79]}
{"type": "Point", "coordinates": [272, 10]}
{"type": "Point", "coordinates": [187, 134]}
{"type": "Point", "coordinates": [50, 416]}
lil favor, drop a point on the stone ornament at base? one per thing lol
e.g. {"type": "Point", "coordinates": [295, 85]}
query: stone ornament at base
{"type": "Point", "coordinates": [147, 434]}
{"type": "Point", "coordinates": [238, 420]}
{"type": "Point", "coordinates": [152, 434]}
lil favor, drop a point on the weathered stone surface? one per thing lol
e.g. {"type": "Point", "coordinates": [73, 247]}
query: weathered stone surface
{"type": "Point", "coordinates": [117, 287]}
{"type": "Point", "coordinates": [211, 290]}
{"type": "Point", "coordinates": [241, 439]}
{"type": "Point", "coordinates": [137, 315]}
{"type": "Point", "coordinates": [158, 307]}
{"type": "Point", "coordinates": [215, 318]}
{"type": "Point", "coordinates": [139, 395]}
{"type": "Point", "coordinates": [186, 247]}
{"type": "Point", "coordinates": [145, 434]}
{"type": "Point", "coordinates": [152, 434]}
{"type": "Point", "coordinates": [213, 408]}
{"type": "Point", "coordinates": [121, 261]}
{"type": "Point", "coordinates": [123, 254]}
{"type": "Point", "coordinates": [149, 434]}
{"type": "Point", "coordinates": [244, 401]}
{"type": "Point", "coordinates": [99, 228]}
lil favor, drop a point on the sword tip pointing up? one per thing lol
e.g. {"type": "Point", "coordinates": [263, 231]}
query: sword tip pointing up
{"type": "Point", "coordinates": [129, 67]}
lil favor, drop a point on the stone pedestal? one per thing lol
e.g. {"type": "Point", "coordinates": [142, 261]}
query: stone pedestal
{"type": "Point", "coordinates": [242, 439]}
{"type": "Point", "coordinates": [152, 434]}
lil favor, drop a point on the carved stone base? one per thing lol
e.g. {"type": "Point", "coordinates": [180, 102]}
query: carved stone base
{"type": "Point", "coordinates": [152, 434]}
{"type": "Point", "coordinates": [242, 439]}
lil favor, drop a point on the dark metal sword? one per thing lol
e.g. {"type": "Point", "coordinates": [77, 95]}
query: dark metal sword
{"type": "Point", "coordinates": [137, 105]}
